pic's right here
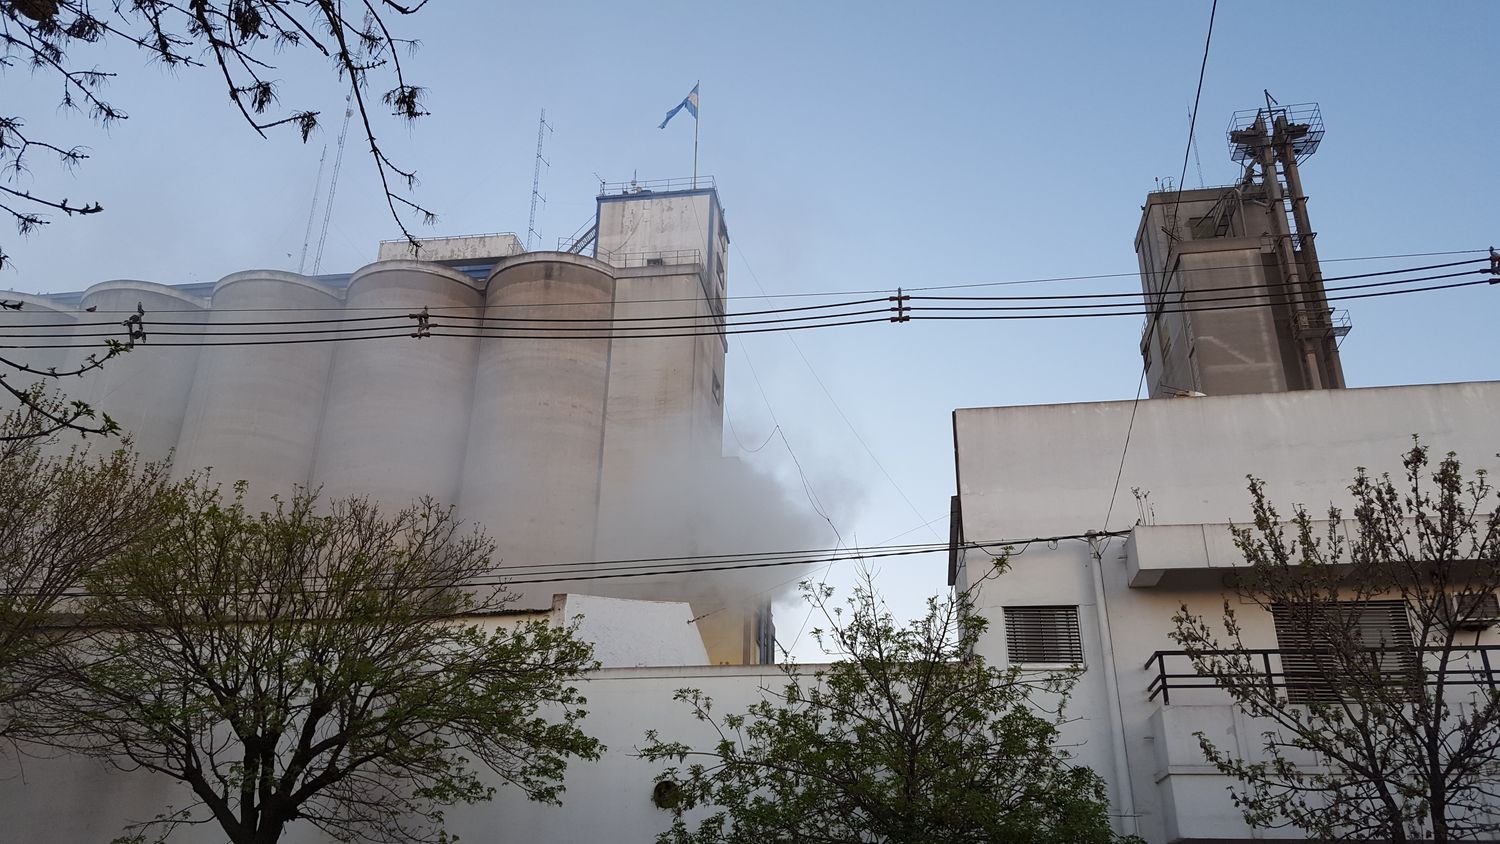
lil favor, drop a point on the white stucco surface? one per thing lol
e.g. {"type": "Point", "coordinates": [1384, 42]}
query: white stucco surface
{"type": "Point", "coordinates": [1048, 470]}
{"type": "Point", "coordinates": [79, 801]}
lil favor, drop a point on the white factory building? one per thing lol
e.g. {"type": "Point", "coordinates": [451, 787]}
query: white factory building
{"type": "Point", "coordinates": [570, 403]}
{"type": "Point", "coordinates": [459, 417]}
{"type": "Point", "coordinates": [1048, 470]}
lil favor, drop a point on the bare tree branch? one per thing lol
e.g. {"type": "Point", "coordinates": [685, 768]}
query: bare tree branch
{"type": "Point", "coordinates": [44, 34]}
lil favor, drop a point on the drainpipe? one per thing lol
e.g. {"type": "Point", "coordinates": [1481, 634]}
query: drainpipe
{"type": "Point", "coordinates": [1124, 788]}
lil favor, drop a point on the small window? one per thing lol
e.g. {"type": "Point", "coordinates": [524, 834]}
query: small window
{"type": "Point", "coordinates": [718, 391]}
{"type": "Point", "coordinates": [655, 262]}
{"type": "Point", "coordinates": [1043, 634]}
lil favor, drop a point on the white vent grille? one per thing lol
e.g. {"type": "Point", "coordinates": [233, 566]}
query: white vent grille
{"type": "Point", "coordinates": [1043, 634]}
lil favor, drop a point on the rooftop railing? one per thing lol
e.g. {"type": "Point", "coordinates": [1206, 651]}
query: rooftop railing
{"type": "Point", "coordinates": [668, 258]}
{"type": "Point", "coordinates": [459, 237]}
{"type": "Point", "coordinates": [655, 186]}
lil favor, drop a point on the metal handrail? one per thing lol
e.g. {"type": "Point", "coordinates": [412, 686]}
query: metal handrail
{"type": "Point", "coordinates": [668, 257]}
{"type": "Point", "coordinates": [459, 237]}
{"type": "Point", "coordinates": [635, 186]}
{"type": "Point", "coordinates": [1165, 681]}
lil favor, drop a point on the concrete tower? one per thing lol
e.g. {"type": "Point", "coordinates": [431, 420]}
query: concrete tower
{"type": "Point", "coordinates": [668, 243]}
{"type": "Point", "coordinates": [1231, 274]}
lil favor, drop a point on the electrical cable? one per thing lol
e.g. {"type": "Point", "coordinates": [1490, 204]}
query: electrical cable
{"type": "Point", "coordinates": [1311, 300]}
{"type": "Point", "coordinates": [1229, 288]}
{"type": "Point", "coordinates": [821, 294]}
{"type": "Point", "coordinates": [1151, 326]}
{"type": "Point", "coordinates": [1180, 296]}
{"type": "Point", "coordinates": [503, 574]}
{"type": "Point", "coordinates": [923, 314]}
{"type": "Point", "coordinates": [850, 425]}
{"type": "Point", "coordinates": [1256, 291]}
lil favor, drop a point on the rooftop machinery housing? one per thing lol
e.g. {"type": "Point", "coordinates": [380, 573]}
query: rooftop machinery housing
{"type": "Point", "coordinates": [1248, 250]}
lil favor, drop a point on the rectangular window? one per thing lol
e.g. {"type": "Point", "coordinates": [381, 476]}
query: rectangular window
{"type": "Point", "coordinates": [1475, 610]}
{"type": "Point", "coordinates": [1043, 634]}
{"type": "Point", "coordinates": [1313, 642]}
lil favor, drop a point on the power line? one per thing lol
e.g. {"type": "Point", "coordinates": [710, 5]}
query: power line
{"type": "Point", "coordinates": [730, 421]}
{"type": "Point", "coordinates": [714, 563]}
{"type": "Point", "coordinates": [1143, 294]}
{"type": "Point", "coordinates": [833, 401]}
{"type": "Point", "coordinates": [822, 294]}
{"type": "Point", "coordinates": [922, 314]}
{"type": "Point", "coordinates": [776, 586]}
{"type": "Point", "coordinates": [602, 328]}
{"type": "Point", "coordinates": [1151, 326]}
{"type": "Point", "coordinates": [1309, 300]}
{"type": "Point", "coordinates": [710, 320]}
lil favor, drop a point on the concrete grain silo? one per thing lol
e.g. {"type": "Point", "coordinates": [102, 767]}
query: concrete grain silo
{"type": "Point", "coordinates": [145, 390]}
{"type": "Point", "coordinates": [38, 322]}
{"type": "Point", "coordinates": [535, 436]}
{"type": "Point", "coordinates": [255, 408]}
{"type": "Point", "coordinates": [397, 410]}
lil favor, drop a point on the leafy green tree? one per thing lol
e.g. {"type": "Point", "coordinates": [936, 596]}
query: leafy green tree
{"type": "Point", "coordinates": [326, 664]}
{"type": "Point", "coordinates": [909, 737]}
{"type": "Point", "coordinates": [60, 516]}
{"type": "Point", "coordinates": [1372, 735]}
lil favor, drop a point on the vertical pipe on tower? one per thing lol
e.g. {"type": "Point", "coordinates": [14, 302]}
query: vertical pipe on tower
{"type": "Point", "coordinates": [1275, 210]}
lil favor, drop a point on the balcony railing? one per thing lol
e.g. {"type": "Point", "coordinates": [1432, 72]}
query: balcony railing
{"type": "Point", "coordinates": [1474, 665]}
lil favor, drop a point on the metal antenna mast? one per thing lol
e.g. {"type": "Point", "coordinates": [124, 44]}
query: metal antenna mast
{"type": "Point", "coordinates": [312, 210]}
{"type": "Point", "coordinates": [1194, 141]}
{"type": "Point", "coordinates": [333, 182]}
{"type": "Point", "coordinates": [542, 128]}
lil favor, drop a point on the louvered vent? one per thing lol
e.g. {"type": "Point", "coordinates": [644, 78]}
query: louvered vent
{"type": "Point", "coordinates": [1310, 644]}
{"type": "Point", "coordinates": [1043, 634]}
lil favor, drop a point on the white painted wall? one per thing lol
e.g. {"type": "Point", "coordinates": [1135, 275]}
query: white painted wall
{"type": "Point", "coordinates": [1049, 470]}
{"type": "Point", "coordinates": [634, 634]}
{"type": "Point", "coordinates": [79, 801]}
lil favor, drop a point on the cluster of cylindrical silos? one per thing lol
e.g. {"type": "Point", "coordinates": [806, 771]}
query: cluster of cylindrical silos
{"type": "Point", "coordinates": [263, 382]}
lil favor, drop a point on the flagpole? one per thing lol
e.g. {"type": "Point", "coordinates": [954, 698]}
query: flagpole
{"type": "Point", "coordinates": [697, 118]}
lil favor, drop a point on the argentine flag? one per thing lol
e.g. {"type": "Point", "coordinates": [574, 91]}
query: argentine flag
{"type": "Point", "coordinates": [690, 102]}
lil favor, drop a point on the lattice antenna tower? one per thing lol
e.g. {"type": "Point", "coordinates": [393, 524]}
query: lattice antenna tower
{"type": "Point", "coordinates": [1193, 139]}
{"type": "Point", "coordinates": [312, 211]}
{"type": "Point", "coordinates": [542, 129]}
{"type": "Point", "coordinates": [333, 183]}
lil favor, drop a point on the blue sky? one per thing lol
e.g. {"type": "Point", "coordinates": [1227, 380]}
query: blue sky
{"type": "Point", "coordinates": [856, 146]}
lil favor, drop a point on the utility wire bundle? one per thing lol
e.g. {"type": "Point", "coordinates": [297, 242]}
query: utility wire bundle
{"type": "Point", "coordinates": [518, 574]}
{"type": "Point", "coordinates": [895, 307]}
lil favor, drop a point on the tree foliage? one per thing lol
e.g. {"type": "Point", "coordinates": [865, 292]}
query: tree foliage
{"type": "Point", "coordinates": [40, 413]}
{"type": "Point", "coordinates": [1385, 741]}
{"type": "Point", "coordinates": [316, 664]}
{"type": "Point", "coordinates": [60, 516]}
{"type": "Point", "coordinates": [236, 40]}
{"type": "Point", "coordinates": [910, 737]}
